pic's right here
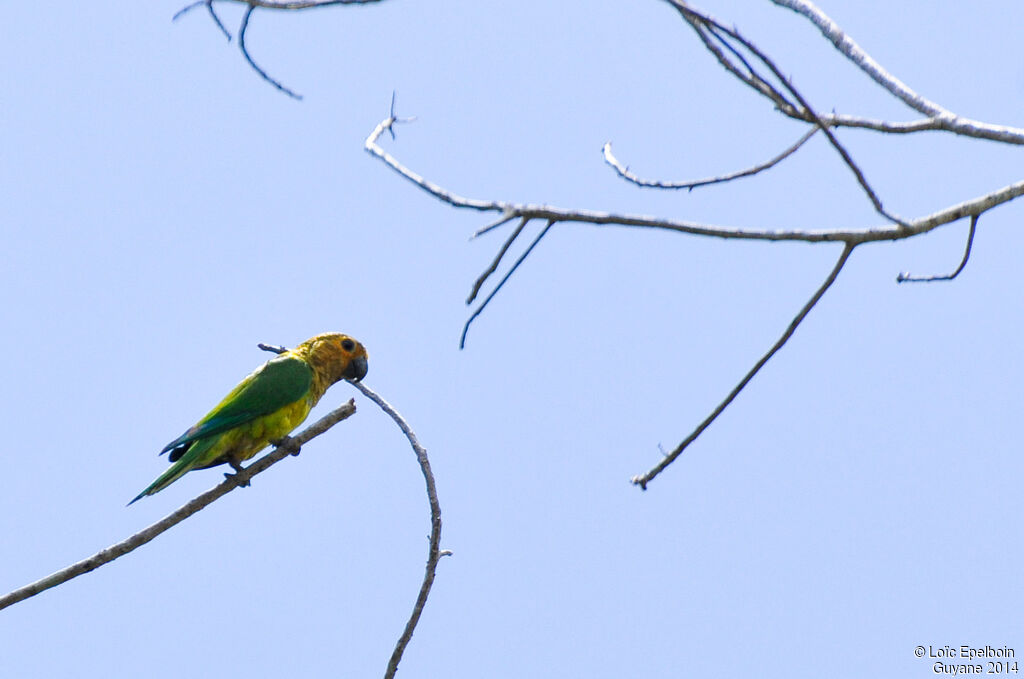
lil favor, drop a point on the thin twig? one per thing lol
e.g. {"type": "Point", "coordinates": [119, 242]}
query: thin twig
{"type": "Point", "coordinates": [522, 257]}
{"type": "Point", "coordinates": [216, 19]}
{"type": "Point", "coordinates": [643, 479]}
{"type": "Point", "coordinates": [492, 226]}
{"type": "Point", "coordinates": [210, 9]}
{"type": "Point", "coordinates": [624, 172]}
{"type": "Point", "coordinates": [282, 449]}
{"type": "Point", "coordinates": [497, 260]}
{"type": "Point", "coordinates": [245, 52]}
{"type": "Point", "coordinates": [907, 278]}
{"type": "Point", "coordinates": [751, 78]}
{"type": "Point", "coordinates": [435, 553]}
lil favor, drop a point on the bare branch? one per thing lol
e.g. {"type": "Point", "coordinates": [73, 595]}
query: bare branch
{"type": "Point", "coordinates": [940, 117]}
{"type": "Point", "coordinates": [522, 257]}
{"type": "Point", "coordinates": [509, 211]}
{"type": "Point", "coordinates": [623, 170]}
{"type": "Point", "coordinates": [643, 479]}
{"type": "Point", "coordinates": [282, 449]}
{"type": "Point", "coordinates": [274, 348]}
{"type": "Point", "coordinates": [907, 278]}
{"type": "Point", "coordinates": [245, 52]}
{"type": "Point", "coordinates": [999, 133]}
{"type": "Point", "coordinates": [435, 552]}
{"type": "Point", "coordinates": [959, 126]}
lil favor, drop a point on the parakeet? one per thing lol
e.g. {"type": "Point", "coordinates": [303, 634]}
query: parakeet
{"type": "Point", "coordinates": [264, 407]}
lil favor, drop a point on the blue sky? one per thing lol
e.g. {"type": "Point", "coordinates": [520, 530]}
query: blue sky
{"type": "Point", "coordinates": [164, 210]}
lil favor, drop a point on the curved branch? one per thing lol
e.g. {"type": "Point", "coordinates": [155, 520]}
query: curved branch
{"type": "Point", "coordinates": [282, 449]}
{"type": "Point", "coordinates": [623, 170]}
{"type": "Point", "coordinates": [643, 479]}
{"type": "Point", "coordinates": [435, 552]}
{"type": "Point", "coordinates": [907, 278]}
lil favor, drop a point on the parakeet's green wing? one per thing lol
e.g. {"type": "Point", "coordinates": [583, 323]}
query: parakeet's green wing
{"type": "Point", "coordinates": [274, 385]}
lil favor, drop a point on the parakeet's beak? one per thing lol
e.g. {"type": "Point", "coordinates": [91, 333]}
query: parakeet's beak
{"type": "Point", "coordinates": [356, 369]}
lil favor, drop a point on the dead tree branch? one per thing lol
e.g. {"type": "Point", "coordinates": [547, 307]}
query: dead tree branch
{"type": "Point", "coordinates": [749, 64]}
{"type": "Point", "coordinates": [526, 212]}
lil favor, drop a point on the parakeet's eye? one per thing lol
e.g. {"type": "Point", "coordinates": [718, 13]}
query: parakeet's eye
{"type": "Point", "coordinates": [348, 345]}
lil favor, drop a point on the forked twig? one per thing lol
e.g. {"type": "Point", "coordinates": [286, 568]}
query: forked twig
{"type": "Point", "coordinates": [643, 479]}
{"type": "Point", "coordinates": [907, 278]}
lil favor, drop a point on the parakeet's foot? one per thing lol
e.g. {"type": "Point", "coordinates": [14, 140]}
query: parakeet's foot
{"type": "Point", "coordinates": [238, 469]}
{"type": "Point", "coordinates": [231, 476]}
{"type": "Point", "coordinates": [286, 442]}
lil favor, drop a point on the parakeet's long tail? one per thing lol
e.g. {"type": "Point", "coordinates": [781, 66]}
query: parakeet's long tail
{"type": "Point", "coordinates": [184, 464]}
{"type": "Point", "coordinates": [175, 472]}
